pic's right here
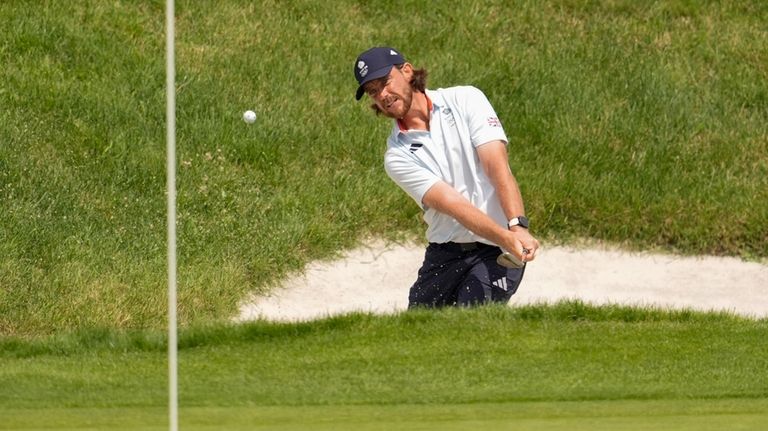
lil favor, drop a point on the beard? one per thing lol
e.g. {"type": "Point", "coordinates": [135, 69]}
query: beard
{"type": "Point", "coordinates": [398, 112]}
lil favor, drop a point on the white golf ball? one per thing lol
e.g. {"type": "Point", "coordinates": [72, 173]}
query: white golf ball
{"type": "Point", "coordinates": [249, 116]}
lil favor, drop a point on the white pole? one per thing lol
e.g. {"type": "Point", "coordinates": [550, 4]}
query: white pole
{"type": "Point", "coordinates": [170, 87]}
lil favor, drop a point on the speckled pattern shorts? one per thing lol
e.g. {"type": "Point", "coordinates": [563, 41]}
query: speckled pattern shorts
{"type": "Point", "coordinates": [463, 274]}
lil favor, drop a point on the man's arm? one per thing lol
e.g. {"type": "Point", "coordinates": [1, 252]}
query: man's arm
{"type": "Point", "coordinates": [494, 160]}
{"type": "Point", "coordinates": [445, 199]}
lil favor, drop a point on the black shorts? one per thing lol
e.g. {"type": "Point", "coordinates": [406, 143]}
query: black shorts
{"type": "Point", "coordinates": [463, 274]}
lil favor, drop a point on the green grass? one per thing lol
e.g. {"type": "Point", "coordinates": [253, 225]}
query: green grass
{"type": "Point", "coordinates": [633, 122]}
{"type": "Point", "coordinates": [677, 415]}
{"type": "Point", "coordinates": [532, 366]}
{"type": "Point", "coordinates": [639, 123]}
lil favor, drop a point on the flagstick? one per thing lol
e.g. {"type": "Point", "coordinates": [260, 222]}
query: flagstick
{"type": "Point", "coordinates": [170, 116]}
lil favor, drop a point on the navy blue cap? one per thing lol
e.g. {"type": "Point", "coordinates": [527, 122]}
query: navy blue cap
{"type": "Point", "coordinates": [374, 64]}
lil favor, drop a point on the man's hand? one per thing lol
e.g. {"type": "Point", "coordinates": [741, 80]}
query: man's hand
{"type": "Point", "coordinates": [522, 244]}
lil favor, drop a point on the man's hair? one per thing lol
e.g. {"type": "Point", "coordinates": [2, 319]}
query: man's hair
{"type": "Point", "coordinates": [418, 83]}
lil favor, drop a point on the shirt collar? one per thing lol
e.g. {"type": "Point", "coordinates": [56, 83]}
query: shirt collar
{"type": "Point", "coordinates": [430, 107]}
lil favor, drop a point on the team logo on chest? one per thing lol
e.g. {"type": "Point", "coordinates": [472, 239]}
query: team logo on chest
{"type": "Point", "coordinates": [448, 115]}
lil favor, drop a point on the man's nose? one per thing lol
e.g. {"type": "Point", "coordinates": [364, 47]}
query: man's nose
{"type": "Point", "coordinates": [383, 93]}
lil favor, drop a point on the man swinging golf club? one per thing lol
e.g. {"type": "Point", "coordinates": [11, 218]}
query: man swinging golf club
{"type": "Point", "coordinates": [448, 151]}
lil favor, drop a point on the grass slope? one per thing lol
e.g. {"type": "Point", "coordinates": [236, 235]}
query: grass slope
{"type": "Point", "coordinates": [643, 123]}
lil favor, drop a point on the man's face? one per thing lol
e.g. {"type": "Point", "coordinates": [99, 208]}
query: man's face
{"type": "Point", "coordinates": [393, 93]}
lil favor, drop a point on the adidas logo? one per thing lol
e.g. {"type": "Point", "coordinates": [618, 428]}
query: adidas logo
{"type": "Point", "coordinates": [415, 146]}
{"type": "Point", "coordinates": [501, 283]}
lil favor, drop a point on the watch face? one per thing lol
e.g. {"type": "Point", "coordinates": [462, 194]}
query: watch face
{"type": "Point", "coordinates": [523, 221]}
{"type": "Point", "coordinates": [519, 221]}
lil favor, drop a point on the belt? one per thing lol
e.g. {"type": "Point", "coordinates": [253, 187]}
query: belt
{"type": "Point", "coordinates": [462, 246]}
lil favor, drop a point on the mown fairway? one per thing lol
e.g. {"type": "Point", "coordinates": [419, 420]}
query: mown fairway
{"type": "Point", "coordinates": [678, 415]}
{"type": "Point", "coordinates": [563, 367]}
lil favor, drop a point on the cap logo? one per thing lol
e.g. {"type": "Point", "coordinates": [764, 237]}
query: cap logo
{"type": "Point", "coordinates": [362, 68]}
{"type": "Point", "coordinates": [392, 52]}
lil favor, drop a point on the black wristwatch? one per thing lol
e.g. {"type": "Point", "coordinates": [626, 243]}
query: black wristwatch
{"type": "Point", "coordinates": [521, 221]}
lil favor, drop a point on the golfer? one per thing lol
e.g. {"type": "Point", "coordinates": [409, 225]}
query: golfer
{"type": "Point", "coordinates": [448, 151]}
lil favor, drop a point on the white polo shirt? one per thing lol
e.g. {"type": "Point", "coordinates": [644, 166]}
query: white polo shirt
{"type": "Point", "coordinates": [461, 120]}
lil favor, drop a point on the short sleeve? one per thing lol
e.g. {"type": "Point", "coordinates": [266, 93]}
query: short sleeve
{"type": "Point", "coordinates": [483, 123]}
{"type": "Point", "coordinates": [410, 174]}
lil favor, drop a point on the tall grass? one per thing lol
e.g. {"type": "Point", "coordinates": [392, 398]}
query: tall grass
{"type": "Point", "coordinates": [641, 123]}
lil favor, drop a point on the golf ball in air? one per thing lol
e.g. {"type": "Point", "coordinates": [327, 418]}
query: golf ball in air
{"type": "Point", "coordinates": [249, 116]}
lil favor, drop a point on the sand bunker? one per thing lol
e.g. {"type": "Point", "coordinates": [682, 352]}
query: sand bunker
{"type": "Point", "coordinates": [376, 278]}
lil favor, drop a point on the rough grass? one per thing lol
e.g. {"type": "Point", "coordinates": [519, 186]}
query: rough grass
{"type": "Point", "coordinates": [640, 123]}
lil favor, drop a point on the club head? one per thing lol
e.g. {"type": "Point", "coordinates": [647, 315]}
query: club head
{"type": "Point", "coordinates": [509, 260]}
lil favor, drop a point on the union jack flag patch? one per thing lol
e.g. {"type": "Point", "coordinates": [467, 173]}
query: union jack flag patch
{"type": "Point", "coordinates": [494, 122]}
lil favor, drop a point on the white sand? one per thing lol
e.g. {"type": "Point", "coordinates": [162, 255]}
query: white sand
{"type": "Point", "coordinates": [376, 278]}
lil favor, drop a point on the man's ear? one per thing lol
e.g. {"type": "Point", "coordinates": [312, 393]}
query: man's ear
{"type": "Point", "coordinates": [407, 70]}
